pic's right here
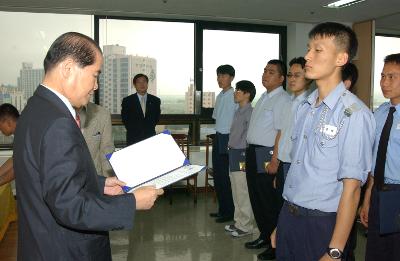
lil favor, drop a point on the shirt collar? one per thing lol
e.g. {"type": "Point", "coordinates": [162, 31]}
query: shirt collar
{"type": "Point", "coordinates": [227, 91]}
{"type": "Point", "coordinates": [275, 91]}
{"type": "Point", "coordinates": [63, 99]}
{"type": "Point", "coordinates": [332, 97]}
{"type": "Point", "coordinates": [140, 96]}
{"type": "Point", "coordinates": [300, 97]}
{"type": "Point", "coordinates": [396, 106]}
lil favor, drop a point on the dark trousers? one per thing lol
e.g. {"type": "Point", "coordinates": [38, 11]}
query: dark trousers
{"type": "Point", "coordinates": [264, 198]}
{"type": "Point", "coordinates": [222, 182]}
{"type": "Point", "coordinates": [380, 247]}
{"type": "Point", "coordinates": [301, 238]}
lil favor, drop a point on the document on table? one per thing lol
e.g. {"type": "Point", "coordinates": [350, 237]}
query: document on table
{"type": "Point", "coordinates": [155, 161]}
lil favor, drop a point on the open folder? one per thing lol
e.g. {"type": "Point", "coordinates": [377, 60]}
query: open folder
{"type": "Point", "coordinates": [155, 161]}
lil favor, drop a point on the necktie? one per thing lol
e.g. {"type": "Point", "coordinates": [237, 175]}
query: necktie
{"type": "Point", "coordinates": [143, 105]}
{"type": "Point", "coordinates": [78, 120]}
{"type": "Point", "coordinates": [379, 172]}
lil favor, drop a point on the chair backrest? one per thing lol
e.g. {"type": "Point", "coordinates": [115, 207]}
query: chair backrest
{"type": "Point", "coordinates": [209, 141]}
{"type": "Point", "coordinates": [183, 143]}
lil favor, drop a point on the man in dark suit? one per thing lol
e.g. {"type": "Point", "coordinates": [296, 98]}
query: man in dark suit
{"type": "Point", "coordinates": [65, 209]}
{"type": "Point", "coordinates": [140, 111]}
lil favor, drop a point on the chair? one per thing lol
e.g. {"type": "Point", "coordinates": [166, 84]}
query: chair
{"type": "Point", "coordinates": [183, 142]}
{"type": "Point", "coordinates": [209, 170]}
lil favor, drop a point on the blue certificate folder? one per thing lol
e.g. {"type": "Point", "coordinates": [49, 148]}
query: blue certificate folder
{"type": "Point", "coordinates": [263, 157]}
{"type": "Point", "coordinates": [389, 211]}
{"type": "Point", "coordinates": [155, 161]}
{"type": "Point", "coordinates": [237, 158]}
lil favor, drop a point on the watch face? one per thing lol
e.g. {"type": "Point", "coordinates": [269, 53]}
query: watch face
{"type": "Point", "coordinates": [335, 253]}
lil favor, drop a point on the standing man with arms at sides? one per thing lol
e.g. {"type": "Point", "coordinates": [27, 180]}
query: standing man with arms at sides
{"type": "Point", "coordinates": [8, 122]}
{"type": "Point", "coordinates": [331, 156]}
{"type": "Point", "coordinates": [65, 209]}
{"type": "Point", "coordinates": [243, 217]}
{"type": "Point", "coordinates": [386, 166]}
{"type": "Point", "coordinates": [223, 114]}
{"type": "Point", "coordinates": [96, 127]}
{"type": "Point", "coordinates": [263, 135]}
{"type": "Point", "coordinates": [140, 111]}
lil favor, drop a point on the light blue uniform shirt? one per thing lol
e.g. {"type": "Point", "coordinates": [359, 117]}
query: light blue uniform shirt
{"type": "Point", "coordinates": [329, 149]}
{"type": "Point", "coordinates": [224, 110]}
{"type": "Point", "coordinates": [267, 117]}
{"type": "Point", "coordinates": [392, 165]}
{"type": "Point", "coordinates": [285, 143]}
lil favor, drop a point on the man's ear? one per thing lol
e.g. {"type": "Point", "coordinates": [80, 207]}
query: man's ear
{"type": "Point", "coordinates": [342, 59]}
{"type": "Point", "coordinates": [66, 68]}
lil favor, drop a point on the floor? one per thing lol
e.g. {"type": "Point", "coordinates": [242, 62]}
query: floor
{"type": "Point", "coordinates": [178, 232]}
{"type": "Point", "coordinates": [184, 232]}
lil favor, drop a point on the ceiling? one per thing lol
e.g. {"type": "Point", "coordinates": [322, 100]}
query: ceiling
{"type": "Point", "coordinates": [385, 12]}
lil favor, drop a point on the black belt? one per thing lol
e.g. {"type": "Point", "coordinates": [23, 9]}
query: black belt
{"type": "Point", "coordinates": [390, 187]}
{"type": "Point", "coordinates": [305, 212]}
{"type": "Point", "coordinates": [255, 145]}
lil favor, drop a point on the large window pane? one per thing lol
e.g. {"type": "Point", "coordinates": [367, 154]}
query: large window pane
{"type": "Point", "coordinates": [247, 52]}
{"type": "Point", "coordinates": [384, 45]}
{"type": "Point", "coordinates": [25, 40]}
{"type": "Point", "coordinates": [164, 51]}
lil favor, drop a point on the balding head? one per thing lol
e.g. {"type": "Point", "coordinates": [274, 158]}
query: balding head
{"type": "Point", "coordinates": [81, 48]}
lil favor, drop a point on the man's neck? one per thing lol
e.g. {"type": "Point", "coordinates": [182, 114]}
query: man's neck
{"type": "Point", "coordinates": [269, 90]}
{"type": "Point", "coordinates": [325, 86]}
{"type": "Point", "coordinates": [298, 93]}
{"type": "Point", "coordinates": [242, 104]}
{"type": "Point", "coordinates": [395, 101]}
{"type": "Point", "coordinates": [225, 89]}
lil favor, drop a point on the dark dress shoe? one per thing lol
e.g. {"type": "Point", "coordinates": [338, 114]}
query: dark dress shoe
{"type": "Point", "coordinates": [215, 215]}
{"type": "Point", "coordinates": [256, 244]}
{"type": "Point", "coordinates": [223, 219]}
{"type": "Point", "coordinates": [268, 254]}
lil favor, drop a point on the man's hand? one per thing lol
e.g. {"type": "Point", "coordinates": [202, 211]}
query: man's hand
{"type": "Point", "coordinates": [272, 167]}
{"type": "Point", "coordinates": [364, 214]}
{"type": "Point", "coordinates": [113, 186]}
{"type": "Point", "coordinates": [273, 238]}
{"type": "Point", "coordinates": [145, 196]}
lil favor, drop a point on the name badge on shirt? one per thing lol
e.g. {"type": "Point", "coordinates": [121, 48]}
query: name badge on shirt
{"type": "Point", "coordinates": [329, 130]}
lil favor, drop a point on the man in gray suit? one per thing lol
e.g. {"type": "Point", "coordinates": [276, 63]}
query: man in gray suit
{"type": "Point", "coordinates": [65, 209]}
{"type": "Point", "coordinates": [96, 127]}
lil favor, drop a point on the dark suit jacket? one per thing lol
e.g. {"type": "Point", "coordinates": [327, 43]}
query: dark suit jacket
{"type": "Point", "coordinates": [63, 213]}
{"type": "Point", "coordinates": [137, 126]}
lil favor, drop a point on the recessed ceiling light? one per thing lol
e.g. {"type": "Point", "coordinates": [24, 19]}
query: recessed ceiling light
{"type": "Point", "coordinates": [343, 3]}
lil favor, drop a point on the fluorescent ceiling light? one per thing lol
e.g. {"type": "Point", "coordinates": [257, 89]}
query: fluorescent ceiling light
{"type": "Point", "coordinates": [343, 3]}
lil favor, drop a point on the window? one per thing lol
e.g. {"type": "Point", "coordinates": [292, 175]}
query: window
{"type": "Point", "coordinates": [164, 51]}
{"type": "Point", "coordinates": [247, 52]}
{"type": "Point", "coordinates": [384, 45]}
{"type": "Point", "coordinates": [23, 48]}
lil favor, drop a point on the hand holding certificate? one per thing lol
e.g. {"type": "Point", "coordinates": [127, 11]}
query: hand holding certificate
{"type": "Point", "coordinates": [155, 161]}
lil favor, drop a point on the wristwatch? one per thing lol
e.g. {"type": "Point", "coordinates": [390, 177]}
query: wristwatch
{"type": "Point", "coordinates": [334, 253]}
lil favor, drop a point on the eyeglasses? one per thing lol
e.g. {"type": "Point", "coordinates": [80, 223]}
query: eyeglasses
{"type": "Point", "coordinates": [295, 75]}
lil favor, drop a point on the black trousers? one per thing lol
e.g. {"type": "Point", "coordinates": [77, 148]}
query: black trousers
{"type": "Point", "coordinates": [380, 247]}
{"type": "Point", "coordinates": [222, 182]}
{"type": "Point", "coordinates": [264, 198]}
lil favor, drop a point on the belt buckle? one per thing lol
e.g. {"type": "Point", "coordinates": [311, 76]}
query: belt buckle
{"type": "Point", "coordinates": [294, 210]}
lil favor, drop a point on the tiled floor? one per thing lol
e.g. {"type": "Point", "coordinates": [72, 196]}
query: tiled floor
{"type": "Point", "coordinates": [184, 232]}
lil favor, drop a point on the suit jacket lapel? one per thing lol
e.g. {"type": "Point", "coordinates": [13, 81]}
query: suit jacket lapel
{"type": "Point", "coordinates": [48, 95]}
{"type": "Point", "coordinates": [137, 104]}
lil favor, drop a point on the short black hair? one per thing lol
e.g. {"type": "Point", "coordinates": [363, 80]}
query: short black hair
{"type": "Point", "coordinates": [139, 75]}
{"type": "Point", "coordinates": [81, 48]}
{"type": "Point", "coordinates": [350, 72]}
{"type": "Point", "coordinates": [282, 69]}
{"type": "Point", "coordinates": [392, 58]}
{"type": "Point", "coordinates": [247, 87]}
{"type": "Point", "coordinates": [8, 110]}
{"type": "Point", "coordinates": [344, 36]}
{"type": "Point", "coordinates": [298, 60]}
{"type": "Point", "coordinates": [226, 69]}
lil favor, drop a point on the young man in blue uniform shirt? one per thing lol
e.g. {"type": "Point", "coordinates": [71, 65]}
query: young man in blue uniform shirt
{"type": "Point", "coordinates": [331, 156]}
{"type": "Point", "coordinates": [224, 110]}
{"type": "Point", "coordinates": [386, 168]}
{"type": "Point", "coordinates": [263, 134]}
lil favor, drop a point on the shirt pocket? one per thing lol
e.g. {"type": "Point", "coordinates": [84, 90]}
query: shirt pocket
{"type": "Point", "coordinates": [268, 115]}
{"type": "Point", "coordinates": [325, 153]}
